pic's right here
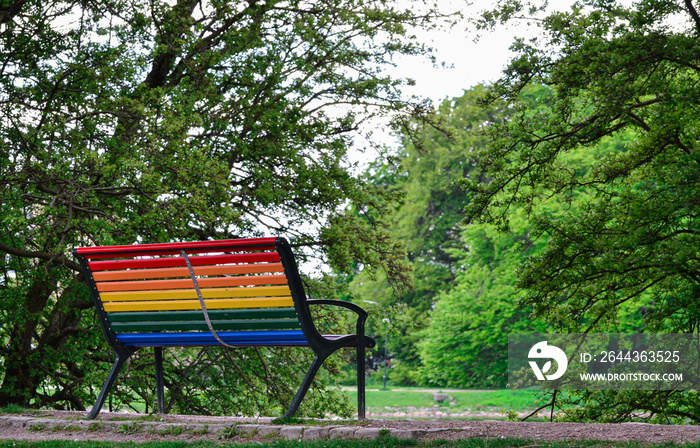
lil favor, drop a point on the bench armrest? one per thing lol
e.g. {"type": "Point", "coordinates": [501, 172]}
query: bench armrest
{"type": "Point", "coordinates": [361, 314]}
{"type": "Point", "coordinates": [349, 305]}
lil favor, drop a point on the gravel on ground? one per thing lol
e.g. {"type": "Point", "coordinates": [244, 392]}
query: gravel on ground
{"type": "Point", "coordinates": [128, 427]}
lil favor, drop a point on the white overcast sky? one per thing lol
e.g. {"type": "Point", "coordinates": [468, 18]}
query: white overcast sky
{"type": "Point", "coordinates": [474, 62]}
{"type": "Point", "coordinates": [467, 62]}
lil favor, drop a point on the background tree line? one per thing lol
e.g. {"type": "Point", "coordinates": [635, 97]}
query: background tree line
{"type": "Point", "coordinates": [580, 176]}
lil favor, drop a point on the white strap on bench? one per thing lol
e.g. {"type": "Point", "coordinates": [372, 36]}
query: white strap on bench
{"type": "Point", "coordinates": [201, 300]}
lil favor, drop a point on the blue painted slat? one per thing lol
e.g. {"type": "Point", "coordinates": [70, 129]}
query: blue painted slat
{"type": "Point", "coordinates": [243, 338]}
{"type": "Point", "coordinates": [214, 343]}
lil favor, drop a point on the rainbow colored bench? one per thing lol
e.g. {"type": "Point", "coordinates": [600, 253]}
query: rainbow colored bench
{"type": "Point", "coordinates": [238, 293]}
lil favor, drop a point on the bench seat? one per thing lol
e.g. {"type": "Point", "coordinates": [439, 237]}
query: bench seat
{"type": "Point", "coordinates": [294, 338]}
{"type": "Point", "coordinates": [202, 338]}
{"type": "Point", "coordinates": [239, 293]}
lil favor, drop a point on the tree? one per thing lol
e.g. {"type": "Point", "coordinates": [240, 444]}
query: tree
{"type": "Point", "coordinates": [424, 172]}
{"type": "Point", "coordinates": [135, 121]}
{"type": "Point", "coordinates": [466, 344]}
{"type": "Point", "coordinates": [615, 71]}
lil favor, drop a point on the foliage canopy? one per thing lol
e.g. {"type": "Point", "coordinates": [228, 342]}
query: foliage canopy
{"type": "Point", "coordinates": [617, 73]}
{"type": "Point", "coordinates": [464, 301]}
{"type": "Point", "coordinates": [148, 121]}
{"type": "Point", "coordinates": [424, 175]}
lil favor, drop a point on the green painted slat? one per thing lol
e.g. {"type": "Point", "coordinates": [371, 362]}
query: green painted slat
{"type": "Point", "coordinates": [161, 316]}
{"type": "Point", "coordinates": [262, 324]}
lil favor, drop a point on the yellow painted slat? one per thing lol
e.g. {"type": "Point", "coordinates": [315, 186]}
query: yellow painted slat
{"type": "Point", "coordinates": [170, 305]}
{"type": "Point", "coordinates": [184, 294]}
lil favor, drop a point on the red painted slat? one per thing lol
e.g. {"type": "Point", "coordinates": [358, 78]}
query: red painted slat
{"type": "Point", "coordinates": [202, 260]}
{"type": "Point", "coordinates": [168, 248]}
{"type": "Point", "coordinates": [162, 273]}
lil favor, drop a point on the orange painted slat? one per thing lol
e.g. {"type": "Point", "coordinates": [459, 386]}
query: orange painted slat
{"type": "Point", "coordinates": [183, 294]}
{"type": "Point", "coordinates": [138, 274]}
{"type": "Point", "coordinates": [215, 304]}
{"type": "Point", "coordinates": [211, 282]}
{"type": "Point", "coordinates": [173, 262]}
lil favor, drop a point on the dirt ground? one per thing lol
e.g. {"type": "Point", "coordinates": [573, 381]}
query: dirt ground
{"type": "Point", "coordinates": [135, 428]}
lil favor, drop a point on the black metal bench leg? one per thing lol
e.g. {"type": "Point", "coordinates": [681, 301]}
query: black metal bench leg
{"type": "Point", "coordinates": [361, 379]}
{"type": "Point", "coordinates": [310, 375]}
{"type": "Point", "coordinates": [116, 368]}
{"type": "Point", "coordinates": [160, 388]}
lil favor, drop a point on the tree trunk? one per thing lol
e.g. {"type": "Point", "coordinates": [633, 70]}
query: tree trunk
{"type": "Point", "coordinates": [21, 373]}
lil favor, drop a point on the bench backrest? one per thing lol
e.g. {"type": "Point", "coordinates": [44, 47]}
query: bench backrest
{"type": "Point", "coordinates": [246, 284]}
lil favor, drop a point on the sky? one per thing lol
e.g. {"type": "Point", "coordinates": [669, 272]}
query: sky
{"type": "Point", "coordinates": [473, 62]}
{"type": "Point", "coordinates": [467, 62]}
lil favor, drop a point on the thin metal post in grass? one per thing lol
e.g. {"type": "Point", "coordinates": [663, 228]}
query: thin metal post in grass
{"type": "Point", "coordinates": [386, 348]}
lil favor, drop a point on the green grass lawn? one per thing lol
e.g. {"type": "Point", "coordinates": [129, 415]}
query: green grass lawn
{"type": "Point", "coordinates": [465, 400]}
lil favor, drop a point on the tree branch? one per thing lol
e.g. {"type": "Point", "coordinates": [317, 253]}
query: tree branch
{"type": "Point", "coordinates": [52, 258]}
{"type": "Point", "coordinates": [693, 13]}
{"type": "Point", "coordinates": [9, 11]}
{"type": "Point", "coordinates": [163, 61]}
